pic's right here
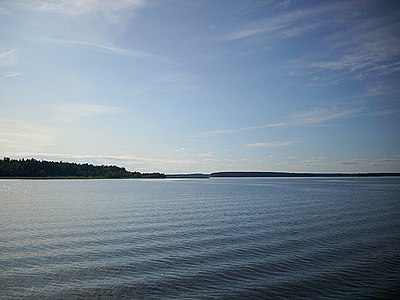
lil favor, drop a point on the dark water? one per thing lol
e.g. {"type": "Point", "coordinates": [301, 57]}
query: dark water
{"type": "Point", "coordinates": [267, 238]}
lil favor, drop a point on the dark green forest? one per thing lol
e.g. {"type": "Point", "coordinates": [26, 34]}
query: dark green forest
{"type": "Point", "coordinates": [27, 168]}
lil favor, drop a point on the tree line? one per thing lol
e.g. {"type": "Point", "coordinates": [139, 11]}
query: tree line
{"type": "Point", "coordinates": [36, 168]}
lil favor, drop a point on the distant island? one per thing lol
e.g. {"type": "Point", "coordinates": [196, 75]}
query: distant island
{"type": "Point", "coordinates": [289, 174]}
{"type": "Point", "coordinates": [32, 168]}
{"type": "Point", "coordinates": [276, 174]}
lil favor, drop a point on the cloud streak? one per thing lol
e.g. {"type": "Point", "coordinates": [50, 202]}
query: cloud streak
{"type": "Point", "coordinates": [72, 112]}
{"type": "Point", "coordinates": [359, 41]}
{"type": "Point", "coordinates": [8, 58]}
{"type": "Point", "coordinates": [92, 24]}
{"type": "Point", "coordinates": [351, 162]}
{"type": "Point", "coordinates": [316, 117]}
{"type": "Point", "coordinates": [368, 48]}
{"type": "Point", "coordinates": [112, 10]}
{"type": "Point", "coordinates": [11, 74]}
{"type": "Point", "coordinates": [105, 48]}
{"type": "Point", "coordinates": [285, 25]}
{"type": "Point", "coordinates": [394, 161]}
{"type": "Point", "coordinates": [271, 144]}
{"type": "Point", "coordinates": [17, 135]}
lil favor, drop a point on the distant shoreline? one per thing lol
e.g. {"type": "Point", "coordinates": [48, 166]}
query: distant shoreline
{"type": "Point", "coordinates": [35, 169]}
{"type": "Point", "coordinates": [276, 175]}
{"type": "Point", "coordinates": [217, 175]}
{"type": "Point", "coordinates": [74, 178]}
{"type": "Point", "coordinates": [291, 174]}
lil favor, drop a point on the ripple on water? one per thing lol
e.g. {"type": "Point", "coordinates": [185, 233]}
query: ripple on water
{"type": "Point", "coordinates": [241, 238]}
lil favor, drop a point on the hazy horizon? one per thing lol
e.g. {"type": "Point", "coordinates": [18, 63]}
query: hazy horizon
{"type": "Point", "coordinates": [202, 86]}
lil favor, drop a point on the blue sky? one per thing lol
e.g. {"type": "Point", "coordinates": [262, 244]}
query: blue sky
{"type": "Point", "coordinates": [202, 86]}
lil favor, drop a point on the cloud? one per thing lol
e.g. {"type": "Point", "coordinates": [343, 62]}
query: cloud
{"type": "Point", "coordinates": [206, 154]}
{"type": "Point", "coordinates": [377, 89]}
{"type": "Point", "coordinates": [366, 47]}
{"type": "Point", "coordinates": [387, 164]}
{"type": "Point", "coordinates": [314, 161]}
{"type": "Point", "coordinates": [315, 117]}
{"type": "Point", "coordinates": [271, 144]}
{"type": "Point", "coordinates": [285, 25]}
{"type": "Point", "coordinates": [89, 23]}
{"type": "Point", "coordinates": [11, 74]}
{"type": "Point", "coordinates": [395, 160]}
{"type": "Point", "coordinates": [72, 112]}
{"type": "Point", "coordinates": [111, 10]}
{"type": "Point", "coordinates": [351, 162]}
{"type": "Point", "coordinates": [210, 159]}
{"type": "Point", "coordinates": [207, 157]}
{"type": "Point", "coordinates": [356, 41]}
{"type": "Point", "coordinates": [4, 12]}
{"type": "Point", "coordinates": [384, 112]}
{"type": "Point", "coordinates": [105, 47]}
{"type": "Point", "coordinates": [177, 81]}
{"type": "Point", "coordinates": [17, 135]}
{"type": "Point", "coordinates": [8, 58]}
{"type": "Point", "coordinates": [182, 151]}
{"type": "Point", "coordinates": [217, 132]}
{"type": "Point", "coordinates": [360, 65]}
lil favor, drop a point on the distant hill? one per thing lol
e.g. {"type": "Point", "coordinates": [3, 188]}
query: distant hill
{"type": "Point", "coordinates": [32, 168]}
{"type": "Point", "coordinates": [286, 174]}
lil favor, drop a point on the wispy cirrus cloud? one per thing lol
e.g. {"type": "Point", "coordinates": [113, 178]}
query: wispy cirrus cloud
{"type": "Point", "coordinates": [384, 112]}
{"type": "Point", "coordinates": [359, 41]}
{"type": "Point", "coordinates": [361, 63]}
{"type": "Point", "coordinates": [8, 58]}
{"type": "Point", "coordinates": [271, 144]}
{"type": "Point", "coordinates": [93, 24]}
{"type": "Point", "coordinates": [219, 132]}
{"type": "Point", "coordinates": [75, 111]}
{"type": "Point", "coordinates": [8, 61]}
{"type": "Point", "coordinates": [316, 117]}
{"type": "Point", "coordinates": [394, 160]}
{"type": "Point", "coordinates": [367, 47]}
{"type": "Point", "coordinates": [177, 81]}
{"type": "Point", "coordinates": [11, 74]}
{"type": "Point", "coordinates": [111, 10]}
{"type": "Point", "coordinates": [388, 164]}
{"type": "Point", "coordinates": [288, 24]}
{"type": "Point", "coordinates": [351, 162]}
{"type": "Point", "coordinates": [104, 47]}
{"type": "Point", "coordinates": [19, 134]}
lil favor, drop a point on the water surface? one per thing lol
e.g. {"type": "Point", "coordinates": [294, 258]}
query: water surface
{"type": "Point", "coordinates": [219, 238]}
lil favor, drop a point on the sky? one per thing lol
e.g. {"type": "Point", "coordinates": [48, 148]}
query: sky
{"type": "Point", "coordinates": [186, 86]}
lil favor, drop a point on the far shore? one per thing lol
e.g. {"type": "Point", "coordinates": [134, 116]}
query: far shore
{"type": "Point", "coordinates": [35, 169]}
{"type": "Point", "coordinates": [220, 175]}
{"type": "Point", "coordinates": [72, 177]}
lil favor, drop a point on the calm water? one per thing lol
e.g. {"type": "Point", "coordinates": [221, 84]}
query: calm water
{"type": "Point", "coordinates": [202, 239]}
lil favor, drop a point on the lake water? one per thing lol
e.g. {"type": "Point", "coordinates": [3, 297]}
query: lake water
{"type": "Point", "coordinates": [239, 238]}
